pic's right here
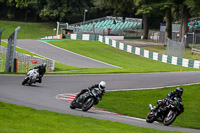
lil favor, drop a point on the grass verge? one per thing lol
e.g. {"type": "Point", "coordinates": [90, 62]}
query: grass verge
{"type": "Point", "coordinates": [59, 67]}
{"type": "Point", "coordinates": [28, 30]}
{"type": "Point", "coordinates": [135, 103]}
{"type": "Point", "coordinates": [130, 63]}
{"type": "Point", "coordinates": [19, 119]}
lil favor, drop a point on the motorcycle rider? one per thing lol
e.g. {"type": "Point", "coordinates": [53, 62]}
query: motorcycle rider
{"type": "Point", "coordinates": [41, 71]}
{"type": "Point", "coordinates": [177, 93]}
{"type": "Point", "coordinates": [101, 85]}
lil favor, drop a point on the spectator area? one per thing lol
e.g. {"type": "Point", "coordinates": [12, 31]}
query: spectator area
{"type": "Point", "coordinates": [109, 24]}
{"type": "Point", "coordinates": [192, 25]}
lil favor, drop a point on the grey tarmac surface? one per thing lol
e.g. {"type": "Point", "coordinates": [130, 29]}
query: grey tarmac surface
{"type": "Point", "coordinates": [42, 96]}
{"type": "Point", "coordinates": [140, 43]}
{"type": "Point", "coordinates": [61, 55]}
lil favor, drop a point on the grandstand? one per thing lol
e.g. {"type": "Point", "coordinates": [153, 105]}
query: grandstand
{"type": "Point", "coordinates": [194, 27]}
{"type": "Point", "coordinates": [107, 25]}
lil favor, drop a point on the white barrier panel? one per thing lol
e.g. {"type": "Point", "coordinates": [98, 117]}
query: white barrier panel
{"type": "Point", "coordinates": [164, 58]}
{"type": "Point", "coordinates": [101, 38]}
{"type": "Point", "coordinates": [155, 56]}
{"type": "Point", "coordinates": [86, 37]}
{"type": "Point", "coordinates": [107, 40]}
{"type": "Point", "coordinates": [137, 51]}
{"type": "Point", "coordinates": [74, 36]}
{"type": "Point", "coordinates": [121, 46]}
{"type": "Point", "coordinates": [114, 43]}
{"type": "Point", "coordinates": [185, 62]}
{"type": "Point", "coordinates": [146, 53]}
{"type": "Point", "coordinates": [196, 64]}
{"type": "Point", "coordinates": [174, 60]}
{"type": "Point", "coordinates": [129, 48]}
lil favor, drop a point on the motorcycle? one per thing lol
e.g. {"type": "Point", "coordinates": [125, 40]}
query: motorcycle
{"type": "Point", "coordinates": [87, 100]}
{"type": "Point", "coordinates": [31, 77]}
{"type": "Point", "coordinates": [166, 113]}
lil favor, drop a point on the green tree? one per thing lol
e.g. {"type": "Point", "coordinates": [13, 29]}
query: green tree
{"type": "Point", "coordinates": [188, 8]}
{"type": "Point", "coordinates": [146, 8]}
{"type": "Point", "coordinates": [64, 10]}
{"type": "Point", "coordinates": [167, 5]}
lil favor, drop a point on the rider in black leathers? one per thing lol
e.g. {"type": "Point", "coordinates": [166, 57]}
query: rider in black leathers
{"type": "Point", "coordinates": [177, 93]}
{"type": "Point", "coordinates": [41, 71]}
{"type": "Point", "coordinates": [101, 85]}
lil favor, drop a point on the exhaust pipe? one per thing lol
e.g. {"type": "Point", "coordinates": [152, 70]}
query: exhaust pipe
{"type": "Point", "coordinates": [150, 107]}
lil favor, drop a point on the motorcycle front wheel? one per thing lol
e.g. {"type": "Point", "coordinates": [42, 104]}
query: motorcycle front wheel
{"type": "Point", "coordinates": [171, 116]}
{"type": "Point", "coordinates": [72, 104]}
{"type": "Point", "coordinates": [25, 81]}
{"type": "Point", "coordinates": [88, 104]}
{"type": "Point", "coordinates": [150, 117]}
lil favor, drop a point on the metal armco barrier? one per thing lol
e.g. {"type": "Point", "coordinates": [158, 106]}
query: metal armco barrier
{"type": "Point", "coordinates": [10, 54]}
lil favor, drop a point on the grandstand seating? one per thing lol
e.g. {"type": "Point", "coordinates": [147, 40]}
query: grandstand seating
{"type": "Point", "coordinates": [191, 28]}
{"type": "Point", "coordinates": [102, 25]}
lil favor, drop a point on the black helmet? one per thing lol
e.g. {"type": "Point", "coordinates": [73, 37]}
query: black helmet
{"type": "Point", "coordinates": [179, 91]}
{"type": "Point", "coordinates": [44, 64]}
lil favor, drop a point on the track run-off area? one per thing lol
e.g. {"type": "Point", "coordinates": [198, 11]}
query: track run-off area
{"type": "Point", "coordinates": [55, 92]}
{"type": "Point", "coordinates": [44, 96]}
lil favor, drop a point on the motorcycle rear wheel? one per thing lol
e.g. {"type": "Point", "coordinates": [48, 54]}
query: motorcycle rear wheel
{"type": "Point", "coordinates": [169, 118]}
{"type": "Point", "coordinates": [88, 104]}
{"type": "Point", "coordinates": [25, 81]}
{"type": "Point", "coordinates": [150, 117]}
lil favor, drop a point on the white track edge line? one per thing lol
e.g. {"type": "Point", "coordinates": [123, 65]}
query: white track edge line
{"type": "Point", "coordinates": [80, 55]}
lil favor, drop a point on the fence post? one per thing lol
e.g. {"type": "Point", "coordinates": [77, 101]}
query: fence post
{"type": "Point", "coordinates": [1, 61]}
{"type": "Point", "coordinates": [11, 48]}
{"type": "Point", "coordinates": [1, 30]}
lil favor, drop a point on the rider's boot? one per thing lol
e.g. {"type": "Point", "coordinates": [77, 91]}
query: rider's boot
{"type": "Point", "coordinates": [40, 80]}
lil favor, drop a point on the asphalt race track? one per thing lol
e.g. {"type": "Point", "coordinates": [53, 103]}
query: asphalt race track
{"type": "Point", "coordinates": [42, 96]}
{"type": "Point", "coordinates": [58, 54]}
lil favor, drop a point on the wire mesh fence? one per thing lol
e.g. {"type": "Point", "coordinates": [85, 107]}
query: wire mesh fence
{"type": "Point", "coordinates": [1, 64]}
{"type": "Point", "coordinates": [175, 48]}
{"type": "Point", "coordinates": [26, 62]}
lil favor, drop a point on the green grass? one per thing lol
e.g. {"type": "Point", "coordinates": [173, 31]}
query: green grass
{"type": "Point", "coordinates": [28, 30]}
{"type": "Point", "coordinates": [19, 119]}
{"type": "Point", "coordinates": [135, 103]}
{"type": "Point", "coordinates": [59, 67]}
{"type": "Point", "coordinates": [2, 65]}
{"type": "Point", "coordinates": [130, 63]}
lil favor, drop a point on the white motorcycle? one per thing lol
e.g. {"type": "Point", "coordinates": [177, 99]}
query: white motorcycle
{"type": "Point", "coordinates": [31, 77]}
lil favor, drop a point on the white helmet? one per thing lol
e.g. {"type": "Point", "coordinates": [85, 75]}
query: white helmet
{"type": "Point", "coordinates": [102, 85]}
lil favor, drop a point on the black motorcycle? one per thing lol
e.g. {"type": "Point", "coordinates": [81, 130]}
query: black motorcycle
{"type": "Point", "coordinates": [87, 100]}
{"type": "Point", "coordinates": [166, 113]}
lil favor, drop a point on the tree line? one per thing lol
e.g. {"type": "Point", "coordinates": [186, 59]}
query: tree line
{"type": "Point", "coordinates": [152, 11]}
